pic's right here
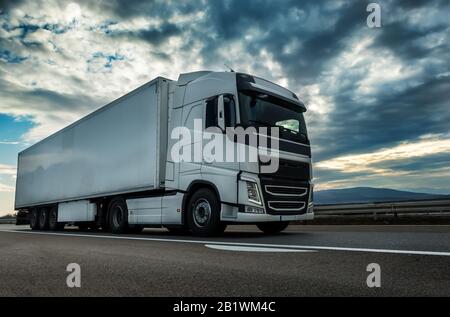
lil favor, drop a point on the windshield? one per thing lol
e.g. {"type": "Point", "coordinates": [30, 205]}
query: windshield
{"type": "Point", "coordinates": [258, 109]}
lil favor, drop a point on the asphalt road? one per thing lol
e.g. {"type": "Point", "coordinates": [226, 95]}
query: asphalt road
{"type": "Point", "coordinates": [303, 261]}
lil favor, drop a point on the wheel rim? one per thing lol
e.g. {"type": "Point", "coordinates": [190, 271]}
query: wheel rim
{"type": "Point", "coordinates": [202, 212]}
{"type": "Point", "coordinates": [117, 216]}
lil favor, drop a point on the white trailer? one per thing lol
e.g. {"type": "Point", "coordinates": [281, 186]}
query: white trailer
{"type": "Point", "coordinates": [113, 169]}
{"type": "Point", "coordinates": [115, 149]}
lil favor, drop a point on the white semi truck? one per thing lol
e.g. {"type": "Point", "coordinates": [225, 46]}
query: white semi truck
{"type": "Point", "coordinates": [114, 169]}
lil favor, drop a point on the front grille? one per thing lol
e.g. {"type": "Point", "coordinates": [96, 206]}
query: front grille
{"type": "Point", "coordinates": [286, 205]}
{"type": "Point", "coordinates": [284, 196]}
{"type": "Point", "coordinates": [278, 190]}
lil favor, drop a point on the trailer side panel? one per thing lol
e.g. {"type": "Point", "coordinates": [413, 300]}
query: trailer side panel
{"type": "Point", "coordinates": [114, 150]}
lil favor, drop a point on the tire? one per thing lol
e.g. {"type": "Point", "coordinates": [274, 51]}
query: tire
{"type": "Point", "coordinates": [203, 214]}
{"type": "Point", "coordinates": [43, 219]}
{"type": "Point", "coordinates": [272, 227]}
{"type": "Point", "coordinates": [53, 223]}
{"type": "Point", "coordinates": [34, 219]}
{"type": "Point", "coordinates": [118, 216]}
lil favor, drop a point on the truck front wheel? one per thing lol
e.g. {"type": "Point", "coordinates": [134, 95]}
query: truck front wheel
{"type": "Point", "coordinates": [272, 227]}
{"type": "Point", "coordinates": [118, 215]}
{"type": "Point", "coordinates": [203, 214]}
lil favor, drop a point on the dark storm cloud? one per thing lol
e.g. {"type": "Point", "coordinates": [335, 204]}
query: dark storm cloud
{"type": "Point", "coordinates": [318, 48]}
{"type": "Point", "coordinates": [320, 29]}
{"type": "Point", "coordinates": [46, 100]}
{"type": "Point", "coordinates": [153, 35]}
{"type": "Point", "coordinates": [405, 40]}
{"type": "Point", "coordinates": [412, 4]}
{"type": "Point", "coordinates": [419, 110]}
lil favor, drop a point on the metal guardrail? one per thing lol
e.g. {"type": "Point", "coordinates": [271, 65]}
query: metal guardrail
{"type": "Point", "coordinates": [388, 208]}
{"type": "Point", "coordinates": [7, 220]}
{"type": "Point", "coordinates": [422, 207]}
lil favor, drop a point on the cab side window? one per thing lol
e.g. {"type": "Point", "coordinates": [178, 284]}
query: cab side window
{"type": "Point", "coordinates": [211, 112]}
{"type": "Point", "coordinates": [227, 116]}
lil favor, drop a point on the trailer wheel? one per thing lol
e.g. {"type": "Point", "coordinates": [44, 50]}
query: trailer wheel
{"type": "Point", "coordinates": [118, 216]}
{"type": "Point", "coordinates": [53, 223]}
{"type": "Point", "coordinates": [203, 214]}
{"type": "Point", "coordinates": [34, 219]}
{"type": "Point", "coordinates": [272, 227]}
{"type": "Point", "coordinates": [43, 219]}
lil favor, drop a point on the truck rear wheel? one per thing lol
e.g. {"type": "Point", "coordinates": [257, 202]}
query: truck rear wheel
{"type": "Point", "coordinates": [43, 219]}
{"type": "Point", "coordinates": [34, 219]}
{"type": "Point", "coordinates": [118, 215]}
{"type": "Point", "coordinates": [53, 223]}
{"type": "Point", "coordinates": [203, 214]}
{"type": "Point", "coordinates": [273, 227]}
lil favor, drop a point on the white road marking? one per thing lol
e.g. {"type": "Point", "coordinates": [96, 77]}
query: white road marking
{"type": "Point", "coordinates": [309, 247]}
{"type": "Point", "coordinates": [252, 249]}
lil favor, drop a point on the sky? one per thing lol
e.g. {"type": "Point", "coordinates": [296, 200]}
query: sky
{"type": "Point", "coordinates": [378, 99]}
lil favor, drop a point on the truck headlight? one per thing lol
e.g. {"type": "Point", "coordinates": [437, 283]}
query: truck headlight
{"type": "Point", "coordinates": [253, 193]}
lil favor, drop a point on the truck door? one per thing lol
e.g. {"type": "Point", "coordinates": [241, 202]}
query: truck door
{"type": "Point", "coordinates": [219, 164]}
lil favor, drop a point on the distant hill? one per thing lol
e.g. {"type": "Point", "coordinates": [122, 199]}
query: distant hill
{"type": "Point", "coordinates": [368, 194]}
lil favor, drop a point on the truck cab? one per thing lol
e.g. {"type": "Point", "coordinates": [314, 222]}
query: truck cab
{"type": "Point", "coordinates": [246, 192]}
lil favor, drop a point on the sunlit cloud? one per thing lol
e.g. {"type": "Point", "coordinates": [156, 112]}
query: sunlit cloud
{"type": "Point", "coordinates": [370, 162]}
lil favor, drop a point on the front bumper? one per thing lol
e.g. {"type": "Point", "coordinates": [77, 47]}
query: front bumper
{"type": "Point", "coordinates": [236, 214]}
{"type": "Point", "coordinates": [253, 218]}
{"type": "Point", "coordinates": [265, 212]}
